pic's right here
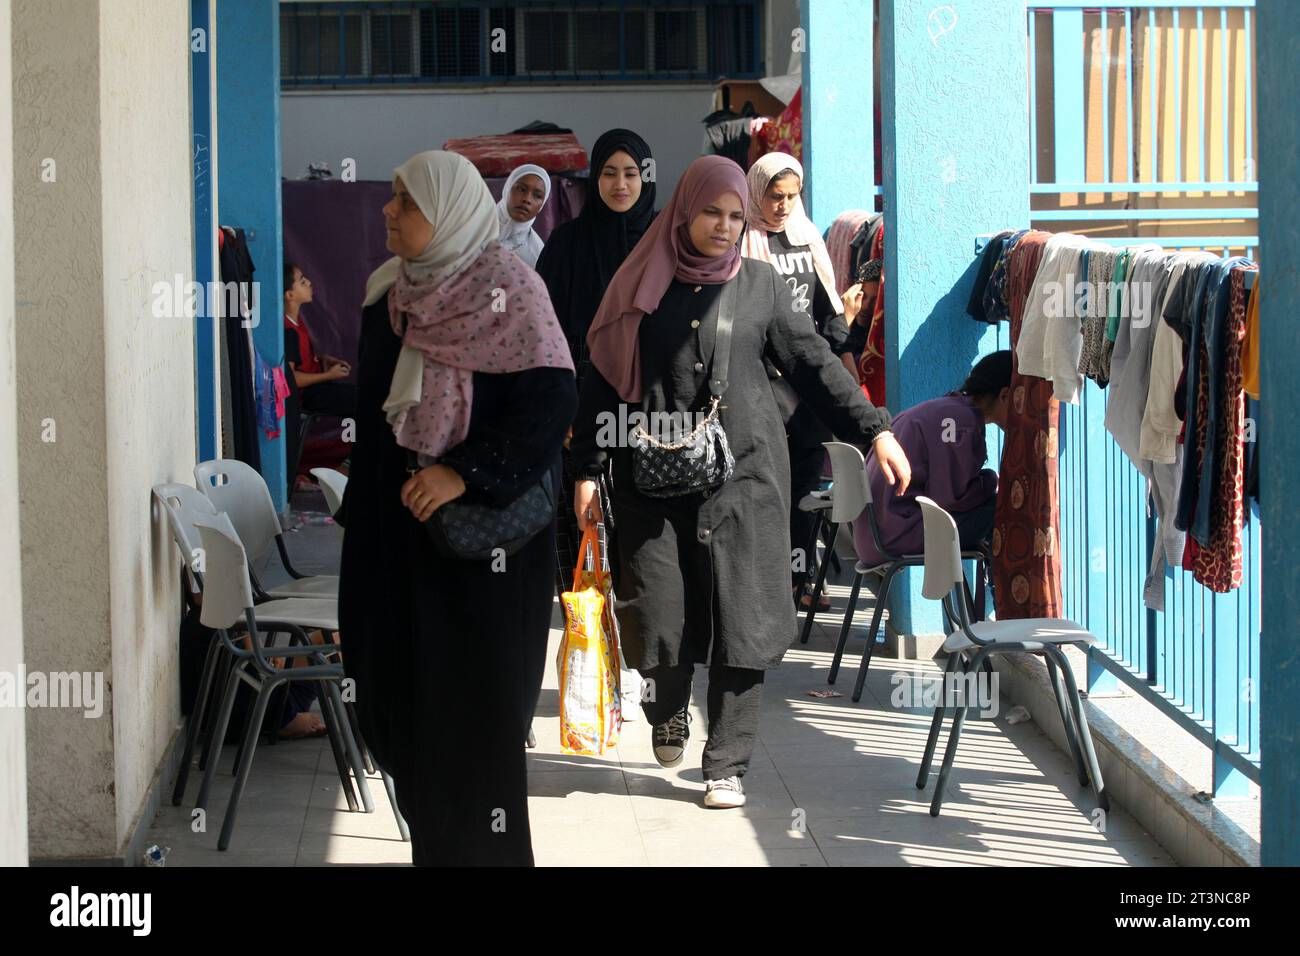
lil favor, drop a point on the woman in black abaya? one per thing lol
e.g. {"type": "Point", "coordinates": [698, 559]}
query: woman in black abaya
{"type": "Point", "coordinates": [580, 259]}
{"type": "Point", "coordinates": [448, 654]}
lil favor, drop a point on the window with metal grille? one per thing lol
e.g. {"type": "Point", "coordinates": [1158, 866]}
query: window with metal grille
{"type": "Point", "coordinates": [345, 44]}
{"type": "Point", "coordinates": [391, 44]}
{"type": "Point", "coordinates": [321, 46]}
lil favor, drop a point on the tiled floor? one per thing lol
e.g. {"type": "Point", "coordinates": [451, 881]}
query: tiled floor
{"type": "Point", "coordinates": [832, 783]}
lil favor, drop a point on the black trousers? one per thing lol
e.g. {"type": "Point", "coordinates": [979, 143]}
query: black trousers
{"type": "Point", "coordinates": [330, 398]}
{"type": "Point", "coordinates": [976, 525]}
{"type": "Point", "coordinates": [734, 697]}
{"type": "Point", "coordinates": [324, 398]}
{"type": "Point", "coordinates": [804, 443]}
{"type": "Point", "coordinates": [974, 528]}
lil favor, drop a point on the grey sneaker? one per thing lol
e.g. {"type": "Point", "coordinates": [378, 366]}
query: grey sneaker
{"type": "Point", "coordinates": [724, 794]}
{"type": "Point", "coordinates": [670, 739]}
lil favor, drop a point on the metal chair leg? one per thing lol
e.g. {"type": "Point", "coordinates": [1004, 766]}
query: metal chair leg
{"type": "Point", "coordinates": [844, 628]}
{"type": "Point", "coordinates": [1085, 736]}
{"type": "Point", "coordinates": [206, 682]}
{"type": "Point", "coordinates": [332, 729]}
{"type": "Point", "coordinates": [273, 736]}
{"type": "Point", "coordinates": [936, 725]}
{"type": "Point", "coordinates": [355, 723]}
{"type": "Point", "coordinates": [1067, 720]}
{"type": "Point", "coordinates": [954, 736]}
{"type": "Point", "coordinates": [224, 667]}
{"type": "Point", "coordinates": [243, 732]}
{"type": "Point", "coordinates": [876, 616]}
{"type": "Point", "coordinates": [251, 733]}
{"type": "Point", "coordinates": [219, 735]}
{"type": "Point", "coordinates": [810, 560]}
{"type": "Point", "coordinates": [402, 828]}
{"type": "Point", "coordinates": [822, 568]}
{"type": "Point", "coordinates": [350, 744]}
{"type": "Point", "coordinates": [829, 539]}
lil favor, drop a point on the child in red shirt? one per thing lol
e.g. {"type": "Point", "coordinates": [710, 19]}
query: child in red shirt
{"type": "Point", "coordinates": [316, 378]}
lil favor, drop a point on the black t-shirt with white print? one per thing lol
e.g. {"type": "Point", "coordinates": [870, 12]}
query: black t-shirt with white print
{"type": "Point", "coordinates": [795, 264]}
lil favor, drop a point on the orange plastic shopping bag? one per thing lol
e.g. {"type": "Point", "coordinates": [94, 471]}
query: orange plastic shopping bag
{"type": "Point", "coordinates": [588, 660]}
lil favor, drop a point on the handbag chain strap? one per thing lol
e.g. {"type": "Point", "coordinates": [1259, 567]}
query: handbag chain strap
{"type": "Point", "coordinates": [718, 369]}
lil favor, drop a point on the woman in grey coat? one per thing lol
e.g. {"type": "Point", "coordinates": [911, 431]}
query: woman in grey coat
{"type": "Point", "coordinates": [705, 576]}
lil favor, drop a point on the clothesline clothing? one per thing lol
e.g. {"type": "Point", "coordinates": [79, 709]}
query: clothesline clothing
{"type": "Point", "coordinates": [1218, 563]}
{"type": "Point", "coordinates": [1027, 518]}
{"type": "Point", "coordinates": [1250, 345]}
{"type": "Point", "coordinates": [1174, 337]}
{"type": "Point", "coordinates": [1051, 340]}
{"type": "Point", "coordinates": [976, 307]}
{"type": "Point", "coordinates": [1129, 390]}
{"type": "Point", "coordinates": [1205, 367]}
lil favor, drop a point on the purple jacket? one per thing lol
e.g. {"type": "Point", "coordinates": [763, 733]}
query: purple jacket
{"type": "Point", "coordinates": [944, 442]}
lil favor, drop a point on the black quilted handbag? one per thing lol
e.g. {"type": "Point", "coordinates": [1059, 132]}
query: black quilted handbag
{"type": "Point", "coordinates": [480, 532]}
{"type": "Point", "coordinates": [702, 460]}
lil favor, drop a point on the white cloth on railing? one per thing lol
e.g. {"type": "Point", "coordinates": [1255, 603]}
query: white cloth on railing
{"type": "Point", "coordinates": [1051, 333]}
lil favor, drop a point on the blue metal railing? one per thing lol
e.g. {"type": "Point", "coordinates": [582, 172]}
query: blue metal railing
{"type": "Point", "coordinates": [1198, 660]}
{"type": "Point", "coordinates": [731, 44]}
{"type": "Point", "coordinates": [1134, 29]}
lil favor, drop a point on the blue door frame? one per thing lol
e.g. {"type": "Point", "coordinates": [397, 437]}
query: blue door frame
{"type": "Point", "coordinates": [203, 147]}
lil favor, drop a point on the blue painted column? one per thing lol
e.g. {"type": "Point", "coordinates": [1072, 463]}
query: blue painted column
{"type": "Point", "coordinates": [838, 160]}
{"type": "Point", "coordinates": [1277, 44]}
{"type": "Point", "coordinates": [954, 99]}
{"type": "Point", "coordinates": [248, 175]}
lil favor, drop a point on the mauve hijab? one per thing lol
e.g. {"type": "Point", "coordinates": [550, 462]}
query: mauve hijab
{"type": "Point", "coordinates": [663, 254]}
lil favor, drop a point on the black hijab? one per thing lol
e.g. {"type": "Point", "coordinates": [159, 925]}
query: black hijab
{"type": "Point", "coordinates": [581, 257]}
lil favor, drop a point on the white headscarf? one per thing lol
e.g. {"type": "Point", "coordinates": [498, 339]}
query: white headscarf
{"type": "Point", "coordinates": [519, 237]}
{"type": "Point", "coordinates": [453, 197]}
{"type": "Point", "coordinates": [799, 229]}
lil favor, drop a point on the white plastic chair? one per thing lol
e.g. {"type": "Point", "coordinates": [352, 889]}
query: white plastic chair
{"type": "Point", "coordinates": [180, 503]}
{"type": "Point", "coordinates": [184, 505]}
{"type": "Point", "coordinates": [852, 502]}
{"type": "Point", "coordinates": [228, 603]}
{"type": "Point", "coordinates": [332, 484]}
{"type": "Point", "coordinates": [945, 581]}
{"type": "Point", "coordinates": [238, 490]}
{"type": "Point", "coordinates": [186, 509]}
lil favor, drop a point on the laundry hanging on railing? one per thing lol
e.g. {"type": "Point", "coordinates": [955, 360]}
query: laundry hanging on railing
{"type": "Point", "coordinates": [1174, 335]}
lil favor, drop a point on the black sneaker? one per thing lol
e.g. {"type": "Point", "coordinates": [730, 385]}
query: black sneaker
{"type": "Point", "coordinates": [670, 739]}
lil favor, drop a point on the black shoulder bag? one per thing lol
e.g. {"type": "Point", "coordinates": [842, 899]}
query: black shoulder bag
{"type": "Point", "coordinates": [478, 532]}
{"type": "Point", "coordinates": [702, 460]}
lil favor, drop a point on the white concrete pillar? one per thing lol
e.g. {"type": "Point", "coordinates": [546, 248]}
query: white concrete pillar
{"type": "Point", "coordinates": [103, 212]}
{"type": "Point", "coordinates": [13, 747]}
